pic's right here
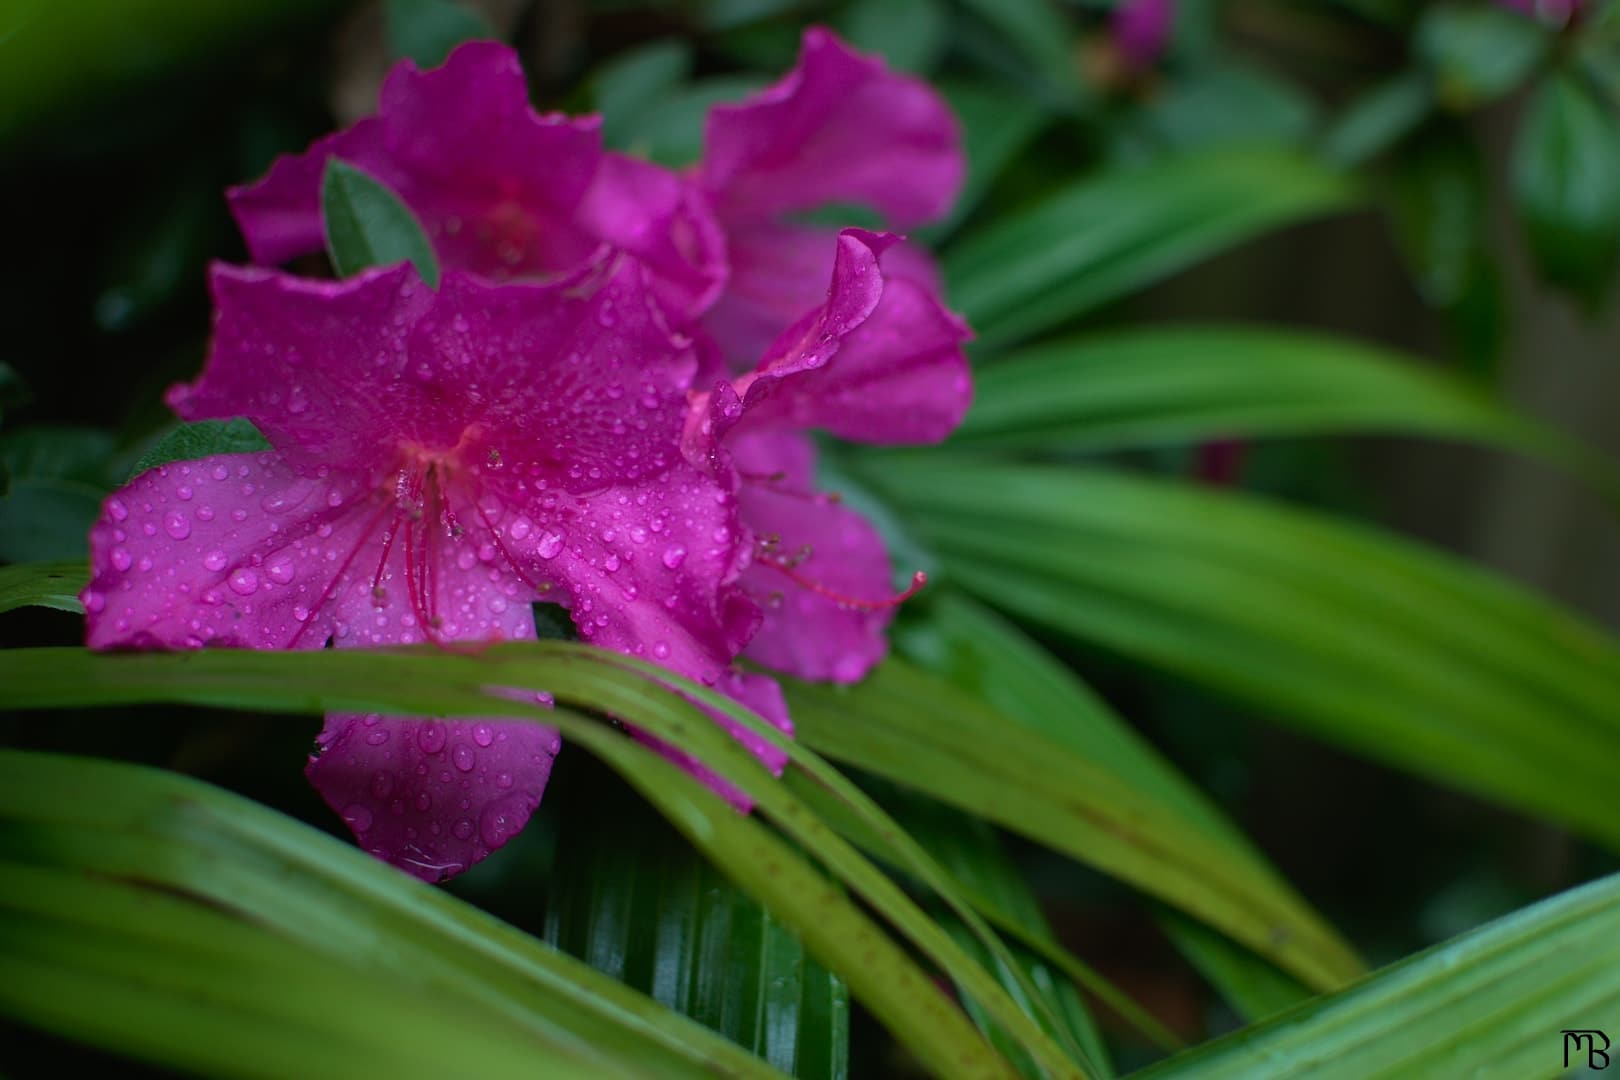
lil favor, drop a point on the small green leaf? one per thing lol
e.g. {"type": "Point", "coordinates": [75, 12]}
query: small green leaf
{"type": "Point", "coordinates": [1247, 982]}
{"type": "Point", "coordinates": [1478, 52]}
{"type": "Point", "coordinates": [1378, 119]}
{"type": "Point", "coordinates": [634, 82]}
{"type": "Point", "coordinates": [200, 439]}
{"type": "Point", "coordinates": [1566, 178]}
{"type": "Point", "coordinates": [367, 225]}
{"type": "Point", "coordinates": [426, 30]}
{"type": "Point", "coordinates": [1437, 206]}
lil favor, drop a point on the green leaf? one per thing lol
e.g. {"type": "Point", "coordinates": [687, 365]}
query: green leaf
{"type": "Point", "coordinates": [426, 30]}
{"type": "Point", "coordinates": [1041, 40]}
{"type": "Point", "coordinates": [1478, 52]}
{"type": "Point", "coordinates": [200, 439]}
{"type": "Point", "coordinates": [202, 924]}
{"type": "Point", "coordinates": [997, 126]}
{"type": "Point", "coordinates": [434, 682]}
{"type": "Point", "coordinates": [50, 585]}
{"type": "Point", "coordinates": [1371, 642]}
{"type": "Point", "coordinates": [1223, 104]}
{"type": "Point", "coordinates": [638, 904]}
{"type": "Point", "coordinates": [1378, 119]}
{"type": "Point", "coordinates": [1097, 240]}
{"type": "Point", "coordinates": [1492, 1002]}
{"type": "Point", "coordinates": [1437, 205]}
{"type": "Point", "coordinates": [915, 730]}
{"type": "Point", "coordinates": [58, 452]}
{"type": "Point", "coordinates": [635, 82]}
{"type": "Point", "coordinates": [670, 131]}
{"type": "Point", "coordinates": [1566, 181]}
{"type": "Point", "coordinates": [1251, 985]}
{"type": "Point", "coordinates": [13, 391]}
{"type": "Point", "coordinates": [42, 519]}
{"type": "Point", "coordinates": [910, 34]}
{"type": "Point", "coordinates": [367, 225]}
{"type": "Point", "coordinates": [1192, 384]}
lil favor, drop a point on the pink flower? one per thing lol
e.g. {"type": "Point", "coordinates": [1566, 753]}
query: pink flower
{"type": "Point", "coordinates": [502, 191]}
{"type": "Point", "coordinates": [1142, 28]}
{"type": "Point", "coordinates": [441, 460]}
{"type": "Point", "coordinates": [880, 361]}
{"type": "Point", "coordinates": [877, 358]}
{"type": "Point", "coordinates": [840, 128]}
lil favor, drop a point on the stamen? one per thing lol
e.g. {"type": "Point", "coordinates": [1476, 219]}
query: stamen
{"type": "Point", "coordinates": [773, 481]}
{"type": "Point", "coordinates": [918, 580]}
{"type": "Point", "coordinates": [343, 568]}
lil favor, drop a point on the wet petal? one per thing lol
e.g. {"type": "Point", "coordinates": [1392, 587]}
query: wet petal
{"type": "Point", "coordinates": [807, 631]}
{"type": "Point", "coordinates": [840, 127]}
{"type": "Point", "coordinates": [432, 797]}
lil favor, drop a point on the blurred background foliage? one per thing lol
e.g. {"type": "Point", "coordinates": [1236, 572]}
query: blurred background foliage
{"type": "Point", "coordinates": [1419, 202]}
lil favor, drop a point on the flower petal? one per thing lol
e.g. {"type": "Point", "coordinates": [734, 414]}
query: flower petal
{"type": "Point", "coordinates": [840, 127]}
{"type": "Point", "coordinates": [502, 191]}
{"type": "Point", "coordinates": [806, 631]}
{"type": "Point", "coordinates": [432, 797]}
{"type": "Point", "coordinates": [238, 550]}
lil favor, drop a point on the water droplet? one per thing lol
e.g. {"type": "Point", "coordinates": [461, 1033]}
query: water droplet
{"type": "Point", "coordinates": [358, 817]}
{"type": "Point", "coordinates": [377, 736]}
{"type": "Point", "coordinates": [424, 802]}
{"type": "Point", "coordinates": [382, 785]}
{"type": "Point", "coordinates": [176, 525]}
{"type": "Point", "coordinates": [463, 829]}
{"type": "Point", "coordinates": [216, 560]}
{"type": "Point", "coordinates": [120, 559]}
{"type": "Point", "coordinates": [661, 650]}
{"type": "Point", "coordinates": [94, 602]}
{"type": "Point", "coordinates": [117, 509]}
{"type": "Point", "coordinates": [462, 757]}
{"type": "Point", "coordinates": [551, 544]}
{"type": "Point", "coordinates": [244, 582]}
{"type": "Point", "coordinates": [204, 513]}
{"type": "Point", "coordinates": [674, 555]}
{"type": "Point", "coordinates": [183, 493]}
{"type": "Point", "coordinates": [483, 734]}
{"type": "Point", "coordinates": [499, 823]}
{"type": "Point", "coordinates": [430, 737]}
{"type": "Point", "coordinates": [521, 528]}
{"type": "Point", "coordinates": [279, 569]}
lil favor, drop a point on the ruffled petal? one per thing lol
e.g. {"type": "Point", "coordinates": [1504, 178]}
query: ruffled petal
{"type": "Point", "coordinates": [839, 127]}
{"type": "Point", "coordinates": [502, 191]}
{"type": "Point", "coordinates": [432, 797]}
{"type": "Point", "coordinates": [880, 361]}
{"type": "Point", "coordinates": [815, 551]}
{"type": "Point", "coordinates": [579, 382]}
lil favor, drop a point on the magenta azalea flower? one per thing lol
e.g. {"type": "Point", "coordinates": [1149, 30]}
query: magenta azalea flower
{"type": "Point", "coordinates": [441, 460]}
{"type": "Point", "coordinates": [502, 191]}
{"type": "Point", "coordinates": [840, 128]}
{"type": "Point", "coordinates": [879, 361]}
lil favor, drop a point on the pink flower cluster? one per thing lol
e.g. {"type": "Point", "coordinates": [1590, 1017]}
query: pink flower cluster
{"type": "Point", "coordinates": [605, 404]}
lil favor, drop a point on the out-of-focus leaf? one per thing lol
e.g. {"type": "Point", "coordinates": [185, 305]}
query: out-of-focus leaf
{"type": "Point", "coordinates": [438, 682]}
{"type": "Point", "coordinates": [919, 731]}
{"type": "Point", "coordinates": [997, 126]}
{"type": "Point", "coordinates": [366, 225]}
{"type": "Point", "coordinates": [671, 132]}
{"type": "Point", "coordinates": [909, 33]}
{"type": "Point", "coordinates": [636, 82]}
{"type": "Point", "coordinates": [50, 585]}
{"type": "Point", "coordinates": [172, 921]}
{"type": "Point", "coordinates": [156, 254]}
{"type": "Point", "coordinates": [1104, 236]}
{"type": "Point", "coordinates": [1185, 385]}
{"type": "Point", "coordinates": [13, 391]}
{"type": "Point", "coordinates": [1437, 207]}
{"type": "Point", "coordinates": [45, 515]}
{"type": "Point", "coordinates": [1042, 39]}
{"type": "Point", "coordinates": [730, 14]}
{"type": "Point", "coordinates": [1248, 983]}
{"type": "Point", "coordinates": [1360, 638]}
{"type": "Point", "coordinates": [1478, 52]}
{"type": "Point", "coordinates": [1493, 1002]}
{"type": "Point", "coordinates": [1378, 119]}
{"type": "Point", "coordinates": [426, 30]}
{"type": "Point", "coordinates": [638, 904]}
{"type": "Point", "coordinates": [1226, 104]}
{"type": "Point", "coordinates": [200, 439]}
{"type": "Point", "coordinates": [1566, 180]}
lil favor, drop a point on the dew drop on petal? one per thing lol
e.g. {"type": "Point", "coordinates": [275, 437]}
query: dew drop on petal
{"type": "Point", "coordinates": [244, 582]}
{"type": "Point", "coordinates": [216, 560]}
{"type": "Point", "coordinates": [483, 734]}
{"type": "Point", "coordinates": [120, 559]}
{"type": "Point", "coordinates": [176, 525]}
{"type": "Point", "coordinates": [279, 569]}
{"type": "Point", "coordinates": [358, 817]}
{"type": "Point", "coordinates": [674, 555]}
{"type": "Point", "coordinates": [430, 737]}
{"type": "Point", "coordinates": [462, 757]}
{"type": "Point", "coordinates": [551, 544]}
